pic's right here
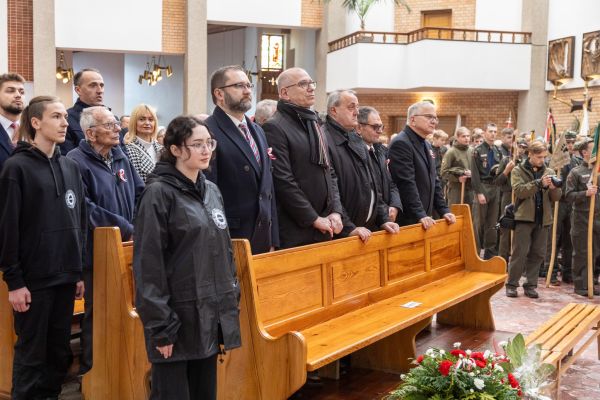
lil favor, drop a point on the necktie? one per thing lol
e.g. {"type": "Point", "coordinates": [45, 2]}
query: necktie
{"type": "Point", "coordinates": [15, 135]}
{"type": "Point", "coordinates": [250, 140]}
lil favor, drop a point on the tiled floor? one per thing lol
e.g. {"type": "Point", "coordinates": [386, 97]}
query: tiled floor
{"type": "Point", "coordinates": [581, 381]}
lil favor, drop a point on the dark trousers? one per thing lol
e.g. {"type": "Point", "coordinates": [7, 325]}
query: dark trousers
{"type": "Point", "coordinates": [487, 219]}
{"type": "Point", "coordinates": [185, 380]}
{"type": "Point", "coordinates": [87, 328]}
{"type": "Point", "coordinates": [529, 248]}
{"type": "Point", "coordinates": [504, 249]}
{"type": "Point", "coordinates": [42, 352]}
{"type": "Point", "coordinates": [580, 251]}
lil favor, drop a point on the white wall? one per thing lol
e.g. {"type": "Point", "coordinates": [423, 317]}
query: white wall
{"type": "Point", "coordinates": [497, 15]}
{"type": "Point", "coordinates": [282, 13]}
{"type": "Point", "coordinates": [111, 66]}
{"type": "Point", "coordinates": [166, 96]}
{"type": "Point", "coordinates": [380, 18]}
{"type": "Point", "coordinates": [303, 41]}
{"type": "Point", "coordinates": [117, 25]}
{"type": "Point", "coordinates": [413, 67]}
{"type": "Point", "coordinates": [573, 18]}
{"type": "Point", "coordinates": [3, 36]}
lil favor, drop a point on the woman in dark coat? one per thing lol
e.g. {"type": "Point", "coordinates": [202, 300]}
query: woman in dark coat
{"type": "Point", "coordinates": [187, 293]}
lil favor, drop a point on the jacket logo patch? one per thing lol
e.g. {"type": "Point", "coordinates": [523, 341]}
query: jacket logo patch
{"type": "Point", "coordinates": [122, 176]}
{"type": "Point", "coordinates": [70, 198]}
{"type": "Point", "coordinates": [219, 218]}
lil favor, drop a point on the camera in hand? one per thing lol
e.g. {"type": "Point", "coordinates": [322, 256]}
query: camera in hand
{"type": "Point", "coordinates": [556, 181]}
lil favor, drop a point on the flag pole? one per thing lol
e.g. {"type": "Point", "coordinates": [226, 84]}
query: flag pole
{"type": "Point", "coordinates": [555, 215]}
{"type": "Point", "coordinates": [590, 236]}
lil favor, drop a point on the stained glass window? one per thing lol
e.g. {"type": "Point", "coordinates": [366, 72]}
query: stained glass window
{"type": "Point", "coordinates": [272, 53]}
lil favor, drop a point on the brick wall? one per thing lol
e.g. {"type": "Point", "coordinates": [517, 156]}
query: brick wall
{"type": "Point", "coordinates": [312, 13]}
{"type": "Point", "coordinates": [562, 115]}
{"type": "Point", "coordinates": [477, 107]}
{"type": "Point", "coordinates": [174, 26]}
{"type": "Point", "coordinates": [463, 13]}
{"type": "Point", "coordinates": [20, 37]}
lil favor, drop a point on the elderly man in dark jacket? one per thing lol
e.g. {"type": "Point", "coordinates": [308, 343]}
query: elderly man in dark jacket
{"type": "Point", "coordinates": [308, 201]}
{"type": "Point", "coordinates": [364, 210]}
{"type": "Point", "coordinates": [412, 165]}
{"type": "Point", "coordinates": [370, 128]}
{"type": "Point", "coordinates": [241, 167]}
{"type": "Point", "coordinates": [112, 187]}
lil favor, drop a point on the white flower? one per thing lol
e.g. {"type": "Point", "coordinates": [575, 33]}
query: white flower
{"type": "Point", "coordinates": [460, 356]}
{"type": "Point", "coordinates": [486, 354]}
{"type": "Point", "coordinates": [456, 345]}
{"type": "Point", "coordinates": [403, 376]}
{"type": "Point", "coordinates": [442, 352]}
{"type": "Point", "coordinates": [471, 374]}
{"type": "Point", "coordinates": [503, 344]}
{"type": "Point", "coordinates": [479, 383]}
{"type": "Point", "coordinates": [471, 390]}
{"type": "Point", "coordinates": [499, 368]}
{"type": "Point", "coordinates": [429, 352]}
{"type": "Point", "coordinates": [468, 352]}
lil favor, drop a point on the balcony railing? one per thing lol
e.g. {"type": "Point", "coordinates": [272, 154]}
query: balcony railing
{"type": "Point", "coordinates": [463, 35]}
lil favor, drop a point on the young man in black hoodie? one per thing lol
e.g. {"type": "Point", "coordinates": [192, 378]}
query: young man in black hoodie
{"type": "Point", "coordinates": [42, 238]}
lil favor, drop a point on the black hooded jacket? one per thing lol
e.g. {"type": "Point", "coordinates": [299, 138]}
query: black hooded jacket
{"type": "Point", "coordinates": [185, 277]}
{"type": "Point", "coordinates": [42, 219]}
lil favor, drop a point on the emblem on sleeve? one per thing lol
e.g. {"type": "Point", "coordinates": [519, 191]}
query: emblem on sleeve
{"type": "Point", "coordinates": [219, 218]}
{"type": "Point", "coordinates": [70, 198]}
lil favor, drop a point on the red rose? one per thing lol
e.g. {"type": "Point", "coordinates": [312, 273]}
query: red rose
{"type": "Point", "coordinates": [458, 352]}
{"type": "Point", "coordinates": [420, 359]}
{"type": "Point", "coordinates": [480, 364]}
{"type": "Point", "coordinates": [445, 367]}
{"type": "Point", "coordinates": [478, 356]}
{"type": "Point", "coordinates": [514, 383]}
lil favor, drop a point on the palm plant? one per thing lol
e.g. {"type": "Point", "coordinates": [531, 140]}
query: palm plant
{"type": "Point", "coordinates": [362, 7]}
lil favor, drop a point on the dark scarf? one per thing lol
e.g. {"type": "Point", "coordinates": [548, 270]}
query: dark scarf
{"type": "Point", "coordinates": [310, 122]}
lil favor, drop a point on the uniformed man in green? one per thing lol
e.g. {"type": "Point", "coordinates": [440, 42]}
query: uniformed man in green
{"type": "Point", "coordinates": [579, 191]}
{"type": "Point", "coordinates": [563, 223]}
{"type": "Point", "coordinates": [534, 193]}
{"type": "Point", "coordinates": [485, 157]}
{"type": "Point", "coordinates": [503, 182]}
{"type": "Point", "coordinates": [456, 168]}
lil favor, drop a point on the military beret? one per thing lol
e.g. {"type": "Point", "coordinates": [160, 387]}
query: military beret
{"type": "Point", "coordinates": [582, 144]}
{"type": "Point", "coordinates": [522, 143]}
{"type": "Point", "coordinates": [570, 135]}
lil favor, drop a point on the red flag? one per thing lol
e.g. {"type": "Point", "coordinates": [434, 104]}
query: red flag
{"type": "Point", "coordinates": [549, 127]}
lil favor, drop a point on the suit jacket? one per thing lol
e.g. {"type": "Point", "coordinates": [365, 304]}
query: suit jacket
{"type": "Point", "coordinates": [387, 187]}
{"type": "Point", "coordinates": [414, 173]}
{"type": "Point", "coordinates": [304, 189]}
{"type": "Point", "coordinates": [355, 178]}
{"type": "Point", "coordinates": [6, 147]}
{"type": "Point", "coordinates": [247, 187]}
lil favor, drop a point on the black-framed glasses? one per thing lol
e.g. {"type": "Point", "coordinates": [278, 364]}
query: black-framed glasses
{"type": "Point", "coordinates": [376, 127]}
{"type": "Point", "coordinates": [431, 118]}
{"type": "Point", "coordinates": [303, 85]}
{"type": "Point", "coordinates": [108, 125]}
{"type": "Point", "coordinates": [210, 144]}
{"type": "Point", "coordinates": [239, 85]}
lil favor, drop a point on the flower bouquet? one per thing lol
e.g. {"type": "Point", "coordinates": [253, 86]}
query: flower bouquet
{"type": "Point", "coordinates": [509, 374]}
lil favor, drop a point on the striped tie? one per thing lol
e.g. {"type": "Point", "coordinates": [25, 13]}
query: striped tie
{"type": "Point", "coordinates": [250, 141]}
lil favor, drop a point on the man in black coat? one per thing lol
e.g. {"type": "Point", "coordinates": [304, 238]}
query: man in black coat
{"type": "Point", "coordinates": [241, 167]}
{"type": "Point", "coordinates": [89, 85]}
{"type": "Point", "coordinates": [308, 201]}
{"type": "Point", "coordinates": [370, 128]}
{"type": "Point", "coordinates": [364, 210]}
{"type": "Point", "coordinates": [12, 96]}
{"type": "Point", "coordinates": [412, 165]}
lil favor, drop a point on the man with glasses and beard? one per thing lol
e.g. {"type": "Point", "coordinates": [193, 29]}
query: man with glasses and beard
{"type": "Point", "coordinates": [308, 200]}
{"type": "Point", "coordinates": [241, 166]}
{"type": "Point", "coordinates": [12, 95]}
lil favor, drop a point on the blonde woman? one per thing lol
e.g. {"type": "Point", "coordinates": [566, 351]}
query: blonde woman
{"type": "Point", "coordinates": [141, 145]}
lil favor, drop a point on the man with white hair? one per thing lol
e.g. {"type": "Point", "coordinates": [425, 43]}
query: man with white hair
{"type": "Point", "coordinates": [308, 201]}
{"type": "Point", "coordinates": [412, 165]}
{"type": "Point", "coordinates": [264, 110]}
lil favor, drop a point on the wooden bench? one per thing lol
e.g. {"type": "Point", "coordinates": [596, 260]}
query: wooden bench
{"type": "Point", "coordinates": [8, 338]}
{"type": "Point", "coordinates": [310, 306]}
{"type": "Point", "coordinates": [560, 335]}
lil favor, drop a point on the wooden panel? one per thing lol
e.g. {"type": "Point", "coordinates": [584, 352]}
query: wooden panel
{"type": "Point", "coordinates": [286, 295]}
{"type": "Point", "coordinates": [7, 341]}
{"type": "Point", "coordinates": [352, 276]}
{"type": "Point", "coordinates": [407, 260]}
{"type": "Point", "coordinates": [445, 250]}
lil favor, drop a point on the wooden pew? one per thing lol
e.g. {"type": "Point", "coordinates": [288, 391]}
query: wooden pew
{"type": "Point", "coordinates": [8, 338]}
{"type": "Point", "coordinates": [309, 306]}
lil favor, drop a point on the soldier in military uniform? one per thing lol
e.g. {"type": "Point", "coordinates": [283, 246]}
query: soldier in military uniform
{"type": "Point", "coordinates": [486, 158]}
{"type": "Point", "coordinates": [579, 193]}
{"type": "Point", "coordinates": [563, 223]}
{"type": "Point", "coordinates": [503, 182]}
{"type": "Point", "coordinates": [456, 168]}
{"type": "Point", "coordinates": [534, 193]}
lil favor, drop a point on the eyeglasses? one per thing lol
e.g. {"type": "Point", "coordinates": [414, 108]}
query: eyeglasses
{"type": "Point", "coordinates": [108, 125]}
{"type": "Point", "coordinates": [303, 84]}
{"type": "Point", "coordinates": [210, 144]}
{"type": "Point", "coordinates": [376, 127]}
{"type": "Point", "coordinates": [431, 118]}
{"type": "Point", "coordinates": [239, 85]}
